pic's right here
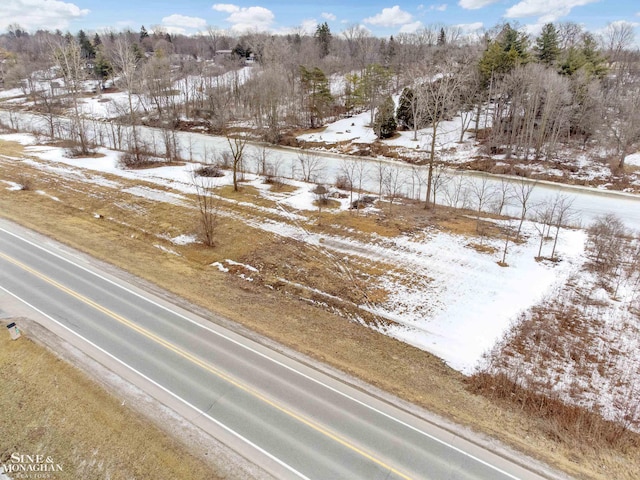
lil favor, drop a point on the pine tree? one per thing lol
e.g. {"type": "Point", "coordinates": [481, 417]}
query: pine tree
{"type": "Point", "coordinates": [86, 48]}
{"type": "Point", "coordinates": [391, 52]}
{"type": "Point", "coordinates": [442, 37]}
{"type": "Point", "coordinates": [317, 94]}
{"type": "Point", "coordinates": [143, 33]}
{"type": "Point", "coordinates": [547, 46]}
{"type": "Point", "coordinates": [586, 57]}
{"type": "Point", "coordinates": [102, 67]}
{"type": "Point", "coordinates": [595, 63]}
{"type": "Point", "coordinates": [504, 54]}
{"type": "Point", "coordinates": [404, 113]}
{"type": "Point", "coordinates": [323, 39]}
{"type": "Point", "coordinates": [385, 124]}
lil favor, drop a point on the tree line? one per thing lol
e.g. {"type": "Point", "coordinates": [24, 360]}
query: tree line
{"type": "Point", "coordinates": [525, 96]}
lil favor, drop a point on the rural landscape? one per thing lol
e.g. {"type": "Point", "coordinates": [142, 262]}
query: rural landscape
{"type": "Point", "coordinates": [446, 216]}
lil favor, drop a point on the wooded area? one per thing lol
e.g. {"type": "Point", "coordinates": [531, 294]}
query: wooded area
{"type": "Point", "coordinates": [524, 96]}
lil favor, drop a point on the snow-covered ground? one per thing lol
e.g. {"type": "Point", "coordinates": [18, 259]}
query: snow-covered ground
{"type": "Point", "coordinates": [443, 295]}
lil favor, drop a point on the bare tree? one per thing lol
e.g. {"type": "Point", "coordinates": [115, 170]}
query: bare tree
{"type": "Point", "coordinates": [381, 172]}
{"type": "Point", "coordinates": [617, 38]}
{"type": "Point", "coordinates": [438, 96]}
{"type": "Point", "coordinates": [482, 192]}
{"type": "Point", "coordinates": [208, 207]}
{"type": "Point", "coordinates": [440, 180]}
{"type": "Point", "coordinates": [622, 117]}
{"type": "Point", "coordinates": [348, 172]}
{"type": "Point", "coordinates": [311, 164]}
{"type": "Point", "coordinates": [261, 159]}
{"type": "Point", "coordinates": [322, 198]}
{"type": "Point", "coordinates": [563, 214]}
{"type": "Point", "coordinates": [507, 231]}
{"type": "Point", "coordinates": [502, 195]}
{"type": "Point", "coordinates": [522, 191]}
{"type": "Point", "coordinates": [236, 146]}
{"type": "Point", "coordinates": [68, 57]}
{"type": "Point", "coordinates": [458, 192]}
{"type": "Point", "coordinates": [544, 215]}
{"type": "Point", "coordinates": [125, 62]}
{"type": "Point", "coordinates": [394, 183]}
{"type": "Point", "coordinates": [606, 242]}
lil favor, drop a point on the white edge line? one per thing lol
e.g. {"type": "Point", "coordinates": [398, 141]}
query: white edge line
{"type": "Point", "coordinates": [200, 412]}
{"type": "Point", "coordinates": [277, 362]}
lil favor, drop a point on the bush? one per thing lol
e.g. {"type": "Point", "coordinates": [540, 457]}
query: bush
{"type": "Point", "coordinates": [342, 182]}
{"type": "Point", "coordinates": [25, 183]}
{"type": "Point", "coordinates": [76, 151]}
{"type": "Point", "coordinates": [209, 171]}
{"type": "Point", "coordinates": [130, 160]}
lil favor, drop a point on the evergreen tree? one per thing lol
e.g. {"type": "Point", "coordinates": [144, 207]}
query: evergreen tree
{"type": "Point", "coordinates": [137, 52]}
{"type": "Point", "coordinates": [143, 33]}
{"type": "Point", "coordinates": [373, 84]}
{"type": "Point", "coordinates": [86, 48]}
{"type": "Point", "coordinates": [241, 50]}
{"type": "Point", "coordinates": [547, 45]}
{"type": "Point", "coordinates": [317, 95]}
{"type": "Point", "coordinates": [102, 67]}
{"type": "Point", "coordinates": [595, 63]}
{"type": "Point", "coordinates": [586, 57]}
{"type": "Point", "coordinates": [442, 37]}
{"type": "Point", "coordinates": [323, 39]}
{"type": "Point", "coordinates": [385, 124]}
{"type": "Point", "coordinates": [404, 114]}
{"type": "Point", "coordinates": [504, 54]}
{"type": "Point", "coordinates": [97, 41]}
{"type": "Point", "coordinates": [391, 51]}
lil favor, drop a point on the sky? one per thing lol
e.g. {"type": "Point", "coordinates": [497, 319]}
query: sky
{"type": "Point", "coordinates": [381, 18]}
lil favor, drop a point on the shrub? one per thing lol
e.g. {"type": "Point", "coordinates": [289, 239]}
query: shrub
{"type": "Point", "coordinates": [25, 183]}
{"type": "Point", "coordinates": [130, 160]}
{"type": "Point", "coordinates": [209, 171]}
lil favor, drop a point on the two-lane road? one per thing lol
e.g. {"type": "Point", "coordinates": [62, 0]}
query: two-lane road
{"type": "Point", "coordinates": [295, 421]}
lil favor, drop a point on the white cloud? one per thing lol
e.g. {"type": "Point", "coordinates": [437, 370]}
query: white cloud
{"type": "Point", "coordinates": [475, 4]}
{"type": "Point", "coordinates": [328, 16]}
{"type": "Point", "coordinates": [309, 26]}
{"type": "Point", "coordinates": [248, 18]}
{"type": "Point", "coordinates": [467, 28]}
{"type": "Point", "coordinates": [622, 23]}
{"type": "Point", "coordinates": [225, 7]}
{"type": "Point", "coordinates": [177, 20]}
{"type": "Point", "coordinates": [170, 29]}
{"type": "Point", "coordinates": [39, 14]}
{"type": "Point", "coordinates": [411, 27]}
{"type": "Point", "coordinates": [439, 8]}
{"type": "Point", "coordinates": [545, 10]}
{"type": "Point", "coordinates": [390, 17]}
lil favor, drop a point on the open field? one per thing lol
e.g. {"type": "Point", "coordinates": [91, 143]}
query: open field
{"type": "Point", "coordinates": [128, 232]}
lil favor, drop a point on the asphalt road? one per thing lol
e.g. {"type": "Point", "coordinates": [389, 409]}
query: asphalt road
{"type": "Point", "coordinates": [290, 419]}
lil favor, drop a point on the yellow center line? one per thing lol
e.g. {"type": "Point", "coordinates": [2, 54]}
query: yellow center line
{"type": "Point", "coordinates": [206, 366]}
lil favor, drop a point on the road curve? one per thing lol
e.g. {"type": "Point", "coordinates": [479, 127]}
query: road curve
{"type": "Point", "coordinates": [292, 420]}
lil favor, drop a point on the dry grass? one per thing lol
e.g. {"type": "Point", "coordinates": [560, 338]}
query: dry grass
{"type": "Point", "coordinates": [51, 408]}
{"type": "Point", "coordinates": [125, 237]}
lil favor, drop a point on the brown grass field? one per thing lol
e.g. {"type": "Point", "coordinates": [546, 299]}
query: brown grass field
{"type": "Point", "coordinates": [51, 408]}
{"type": "Point", "coordinates": [130, 226]}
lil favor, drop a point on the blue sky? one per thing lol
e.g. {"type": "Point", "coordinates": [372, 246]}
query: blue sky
{"type": "Point", "coordinates": [382, 18]}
